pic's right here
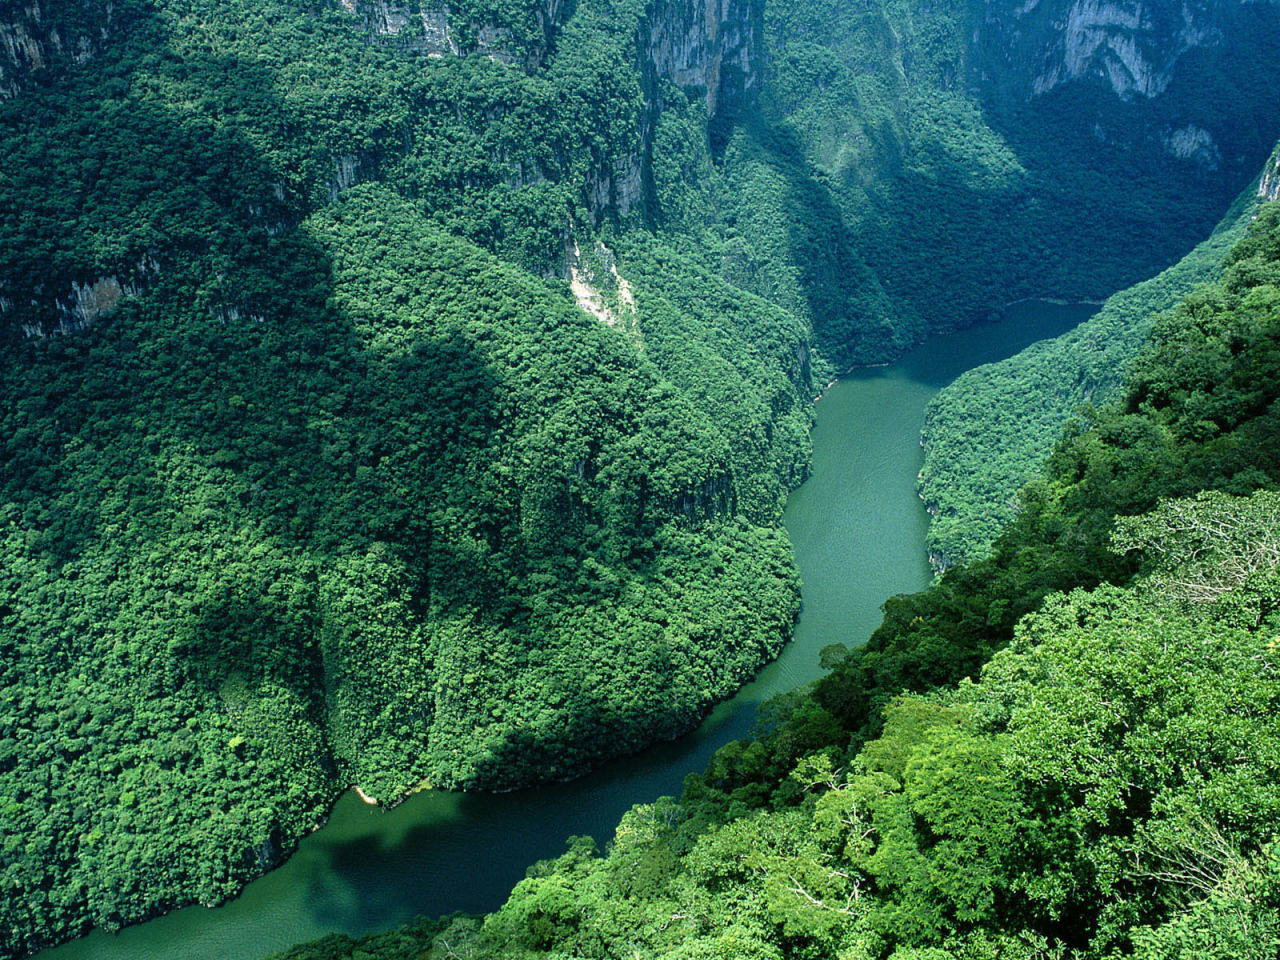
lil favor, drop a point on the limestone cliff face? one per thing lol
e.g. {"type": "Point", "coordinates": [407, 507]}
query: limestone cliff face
{"type": "Point", "coordinates": [708, 46]}
{"type": "Point", "coordinates": [1130, 46]}
{"type": "Point", "coordinates": [391, 22]}
{"type": "Point", "coordinates": [35, 38]}
{"type": "Point", "coordinates": [1122, 57]}
{"type": "Point", "coordinates": [434, 29]}
{"type": "Point", "coordinates": [1269, 186]}
{"type": "Point", "coordinates": [78, 305]}
{"type": "Point", "coordinates": [711, 49]}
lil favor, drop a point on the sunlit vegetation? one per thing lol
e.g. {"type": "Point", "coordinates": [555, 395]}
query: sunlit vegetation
{"type": "Point", "coordinates": [345, 490]}
{"type": "Point", "coordinates": [987, 433]}
{"type": "Point", "coordinates": [1065, 750]}
{"type": "Point", "coordinates": [333, 482]}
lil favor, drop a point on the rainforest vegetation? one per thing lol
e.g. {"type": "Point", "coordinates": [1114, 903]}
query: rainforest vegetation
{"type": "Point", "coordinates": [1066, 749]}
{"type": "Point", "coordinates": [987, 433]}
{"type": "Point", "coordinates": [386, 407]}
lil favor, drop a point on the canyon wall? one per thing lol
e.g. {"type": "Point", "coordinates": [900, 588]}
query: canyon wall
{"type": "Point", "coordinates": [1138, 72]}
{"type": "Point", "coordinates": [38, 36]}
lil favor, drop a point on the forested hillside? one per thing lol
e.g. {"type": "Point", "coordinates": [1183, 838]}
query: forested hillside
{"type": "Point", "coordinates": [965, 175]}
{"type": "Point", "coordinates": [986, 434]}
{"type": "Point", "coordinates": [1065, 750]}
{"type": "Point", "coordinates": [396, 394]}
{"type": "Point", "coordinates": [318, 482]}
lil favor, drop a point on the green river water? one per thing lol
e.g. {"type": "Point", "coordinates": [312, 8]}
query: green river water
{"type": "Point", "coordinates": [858, 529]}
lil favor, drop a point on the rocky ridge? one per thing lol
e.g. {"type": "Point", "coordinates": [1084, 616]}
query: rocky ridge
{"type": "Point", "coordinates": [1131, 46]}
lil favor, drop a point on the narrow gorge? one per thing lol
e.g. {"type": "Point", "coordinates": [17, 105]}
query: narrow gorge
{"type": "Point", "coordinates": [407, 396]}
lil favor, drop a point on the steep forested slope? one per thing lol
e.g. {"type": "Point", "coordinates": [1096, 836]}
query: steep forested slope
{"type": "Point", "coordinates": [309, 482]}
{"type": "Point", "coordinates": [1106, 785]}
{"type": "Point", "coordinates": [918, 172]}
{"type": "Point", "coordinates": [986, 434]}
{"type": "Point", "coordinates": [393, 394]}
{"type": "Point", "coordinates": [476, 542]}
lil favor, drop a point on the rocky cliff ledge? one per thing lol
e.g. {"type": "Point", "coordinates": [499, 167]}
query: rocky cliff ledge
{"type": "Point", "coordinates": [708, 46]}
{"type": "Point", "coordinates": [1122, 57]}
{"type": "Point", "coordinates": [436, 29]}
{"type": "Point", "coordinates": [1269, 186]}
{"type": "Point", "coordinates": [35, 38]}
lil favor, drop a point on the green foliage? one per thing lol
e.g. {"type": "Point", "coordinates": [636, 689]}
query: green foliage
{"type": "Point", "coordinates": [475, 542]}
{"type": "Point", "coordinates": [987, 433]}
{"type": "Point", "coordinates": [1211, 553]}
{"type": "Point", "coordinates": [408, 940]}
{"type": "Point", "coordinates": [328, 480]}
{"type": "Point", "coordinates": [1109, 783]}
{"type": "Point", "coordinates": [893, 188]}
{"type": "Point", "coordinates": [347, 489]}
{"type": "Point", "coordinates": [1240, 917]}
{"type": "Point", "coordinates": [1105, 785]}
{"type": "Point", "coordinates": [1148, 444]}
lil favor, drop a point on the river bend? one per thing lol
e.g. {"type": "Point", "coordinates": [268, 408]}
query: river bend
{"type": "Point", "coordinates": [858, 528]}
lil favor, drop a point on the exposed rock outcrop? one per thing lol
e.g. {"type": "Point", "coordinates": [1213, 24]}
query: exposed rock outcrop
{"type": "Point", "coordinates": [350, 169]}
{"type": "Point", "coordinates": [1133, 71]}
{"type": "Point", "coordinates": [711, 49]}
{"type": "Point", "coordinates": [1131, 46]}
{"type": "Point", "coordinates": [391, 22]}
{"type": "Point", "coordinates": [85, 303]}
{"type": "Point", "coordinates": [1193, 143]}
{"type": "Point", "coordinates": [711, 46]}
{"type": "Point", "coordinates": [1269, 186]}
{"type": "Point", "coordinates": [434, 29]}
{"type": "Point", "coordinates": [35, 39]}
{"type": "Point", "coordinates": [713, 498]}
{"type": "Point", "coordinates": [598, 287]}
{"type": "Point", "coordinates": [618, 184]}
{"type": "Point", "coordinates": [40, 314]}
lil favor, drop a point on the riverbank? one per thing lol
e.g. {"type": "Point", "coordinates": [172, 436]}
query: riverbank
{"type": "Point", "coordinates": [858, 529]}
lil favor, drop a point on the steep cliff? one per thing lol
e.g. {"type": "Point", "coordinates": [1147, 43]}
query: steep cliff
{"type": "Point", "coordinates": [523, 35]}
{"type": "Point", "coordinates": [987, 433]}
{"type": "Point", "coordinates": [709, 48]}
{"type": "Point", "coordinates": [38, 37]}
{"type": "Point", "coordinates": [712, 46]}
{"type": "Point", "coordinates": [255, 224]}
{"type": "Point", "coordinates": [713, 51]}
{"type": "Point", "coordinates": [1130, 46]}
{"type": "Point", "coordinates": [334, 481]}
{"type": "Point", "coordinates": [1269, 184]}
{"type": "Point", "coordinates": [1135, 51]}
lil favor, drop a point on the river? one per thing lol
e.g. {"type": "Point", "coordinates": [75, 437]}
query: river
{"type": "Point", "coordinates": [858, 529]}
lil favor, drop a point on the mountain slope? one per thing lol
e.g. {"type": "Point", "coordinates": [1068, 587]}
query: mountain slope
{"type": "Point", "coordinates": [391, 394]}
{"type": "Point", "coordinates": [986, 434]}
{"type": "Point", "coordinates": [1099, 779]}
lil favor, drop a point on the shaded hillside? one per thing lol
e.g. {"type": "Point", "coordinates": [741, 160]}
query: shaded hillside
{"type": "Point", "coordinates": [1065, 750]}
{"type": "Point", "coordinates": [986, 434]}
{"type": "Point", "coordinates": [392, 394]}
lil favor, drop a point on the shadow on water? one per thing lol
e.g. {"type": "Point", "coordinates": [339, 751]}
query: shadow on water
{"type": "Point", "coordinates": [1018, 326]}
{"type": "Point", "coordinates": [858, 528]}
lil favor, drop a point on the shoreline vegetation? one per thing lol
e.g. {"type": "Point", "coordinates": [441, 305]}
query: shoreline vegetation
{"type": "Point", "coordinates": [991, 316]}
{"type": "Point", "coordinates": [313, 471]}
{"type": "Point", "coordinates": [952, 793]}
